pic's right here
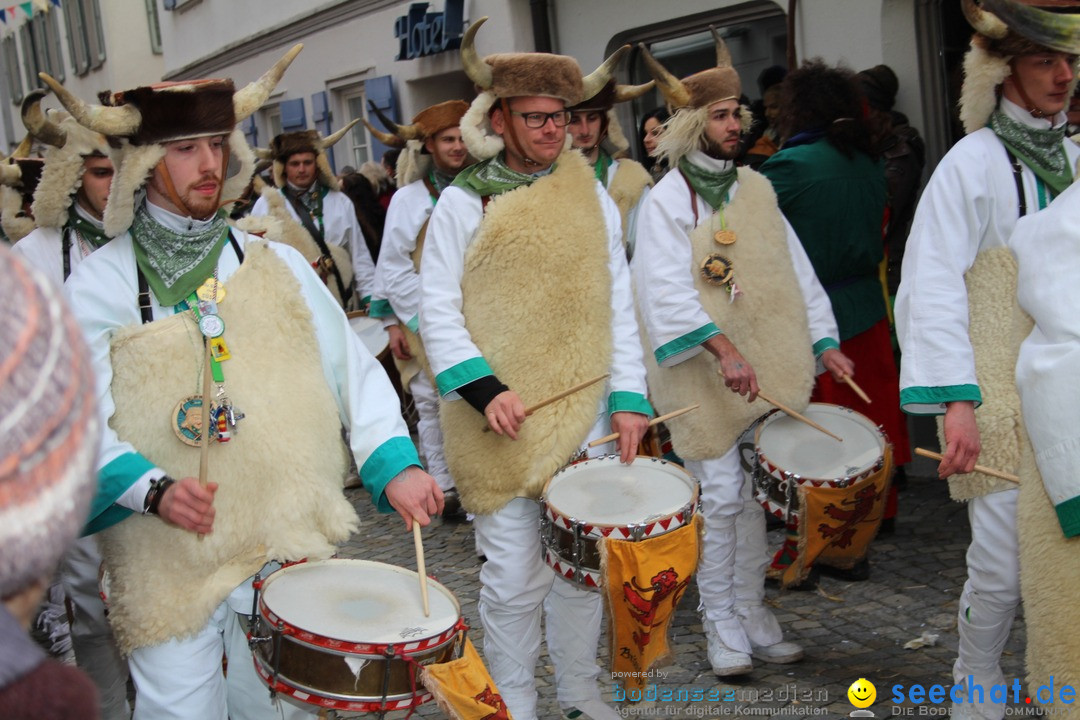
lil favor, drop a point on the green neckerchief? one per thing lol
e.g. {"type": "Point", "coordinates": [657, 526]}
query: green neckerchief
{"type": "Point", "coordinates": [603, 162]}
{"type": "Point", "coordinates": [88, 231]}
{"type": "Point", "coordinates": [711, 186]}
{"type": "Point", "coordinates": [440, 180]}
{"type": "Point", "coordinates": [1041, 150]}
{"type": "Point", "coordinates": [176, 263]}
{"type": "Point", "coordinates": [493, 177]}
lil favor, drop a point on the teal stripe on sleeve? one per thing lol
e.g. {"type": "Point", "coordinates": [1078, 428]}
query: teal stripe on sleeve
{"type": "Point", "coordinates": [932, 400]}
{"type": "Point", "coordinates": [462, 374]}
{"type": "Point", "coordinates": [414, 324]}
{"type": "Point", "coordinates": [380, 309]}
{"type": "Point", "coordinates": [113, 481]}
{"type": "Point", "coordinates": [825, 344]}
{"type": "Point", "coordinates": [681, 344]}
{"type": "Point", "coordinates": [623, 401]}
{"type": "Point", "coordinates": [383, 465]}
{"type": "Point", "coordinates": [1068, 514]}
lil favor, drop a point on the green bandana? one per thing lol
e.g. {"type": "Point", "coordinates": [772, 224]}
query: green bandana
{"type": "Point", "coordinates": [92, 234]}
{"type": "Point", "coordinates": [493, 177]}
{"type": "Point", "coordinates": [711, 186]}
{"type": "Point", "coordinates": [440, 180]}
{"type": "Point", "coordinates": [1041, 150]}
{"type": "Point", "coordinates": [176, 263]}
{"type": "Point", "coordinates": [603, 162]}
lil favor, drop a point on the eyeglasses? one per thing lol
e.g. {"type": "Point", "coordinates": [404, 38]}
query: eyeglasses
{"type": "Point", "coordinates": [537, 120]}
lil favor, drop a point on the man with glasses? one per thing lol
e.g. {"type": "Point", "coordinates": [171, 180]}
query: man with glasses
{"type": "Point", "coordinates": [526, 293]}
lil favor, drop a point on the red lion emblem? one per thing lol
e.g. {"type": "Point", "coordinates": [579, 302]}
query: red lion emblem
{"type": "Point", "coordinates": [859, 512]}
{"type": "Point", "coordinates": [643, 609]}
{"type": "Point", "coordinates": [493, 699]}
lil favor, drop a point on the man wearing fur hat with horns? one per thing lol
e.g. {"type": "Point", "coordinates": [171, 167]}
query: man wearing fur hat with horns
{"type": "Point", "coordinates": [176, 302]}
{"type": "Point", "coordinates": [433, 153]}
{"type": "Point", "coordinates": [719, 273]}
{"type": "Point", "coordinates": [526, 293]}
{"type": "Point", "coordinates": [69, 204]}
{"type": "Point", "coordinates": [958, 292]}
{"type": "Point", "coordinates": [313, 195]}
{"type": "Point", "coordinates": [596, 133]}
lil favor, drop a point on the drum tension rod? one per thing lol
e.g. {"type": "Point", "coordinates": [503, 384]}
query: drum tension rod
{"type": "Point", "coordinates": [277, 658]}
{"type": "Point", "coordinates": [390, 652]}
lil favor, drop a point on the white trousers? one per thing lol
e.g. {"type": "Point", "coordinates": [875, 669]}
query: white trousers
{"type": "Point", "coordinates": [992, 591]}
{"type": "Point", "coordinates": [731, 572]}
{"type": "Point", "coordinates": [91, 637]}
{"type": "Point", "coordinates": [428, 430]}
{"type": "Point", "coordinates": [183, 680]}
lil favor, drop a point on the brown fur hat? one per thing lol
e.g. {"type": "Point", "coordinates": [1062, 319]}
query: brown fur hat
{"type": "Point", "coordinates": [701, 89]}
{"type": "Point", "coordinates": [174, 110]}
{"type": "Point", "coordinates": [290, 143]}
{"type": "Point", "coordinates": [535, 75]}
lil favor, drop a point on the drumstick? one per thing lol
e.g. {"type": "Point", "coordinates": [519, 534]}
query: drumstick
{"type": "Point", "coordinates": [554, 398]}
{"type": "Point", "coordinates": [978, 468]}
{"type": "Point", "coordinates": [421, 570]}
{"type": "Point", "coordinates": [654, 421]}
{"type": "Point", "coordinates": [204, 437]}
{"type": "Point", "coordinates": [789, 411]}
{"type": "Point", "coordinates": [858, 390]}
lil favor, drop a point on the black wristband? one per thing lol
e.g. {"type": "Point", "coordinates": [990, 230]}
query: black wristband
{"type": "Point", "coordinates": [479, 393]}
{"type": "Point", "coordinates": [155, 493]}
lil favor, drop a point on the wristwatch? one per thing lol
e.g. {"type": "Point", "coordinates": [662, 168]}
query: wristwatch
{"type": "Point", "coordinates": [155, 493]}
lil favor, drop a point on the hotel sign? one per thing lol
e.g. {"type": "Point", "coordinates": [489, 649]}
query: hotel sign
{"type": "Point", "coordinates": [426, 33]}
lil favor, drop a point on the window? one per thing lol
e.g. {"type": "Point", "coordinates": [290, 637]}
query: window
{"type": "Point", "coordinates": [155, 26]}
{"type": "Point", "coordinates": [359, 142]}
{"type": "Point", "coordinates": [86, 39]}
{"type": "Point", "coordinates": [41, 48]}
{"type": "Point", "coordinates": [9, 58]}
{"type": "Point", "coordinates": [273, 122]}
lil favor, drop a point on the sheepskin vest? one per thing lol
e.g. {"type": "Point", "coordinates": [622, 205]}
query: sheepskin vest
{"type": "Point", "coordinates": [408, 369]}
{"type": "Point", "coordinates": [766, 322]}
{"type": "Point", "coordinates": [992, 308]}
{"type": "Point", "coordinates": [630, 180]}
{"type": "Point", "coordinates": [279, 478]}
{"type": "Point", "coordinates": [536, 295]}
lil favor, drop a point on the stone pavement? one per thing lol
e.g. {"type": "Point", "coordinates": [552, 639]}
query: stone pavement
{"type": "Point", "coordinates": [849, 630]}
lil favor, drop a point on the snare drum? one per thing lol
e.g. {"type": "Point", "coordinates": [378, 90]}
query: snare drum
{"type": "Point", "coordinates": [351, 636]}
{"type": "Point", "coordinates": [789, 453]}
{"type": "Point", "coordinates": [371, 332]}
{"type": "Point", "coordinates": [601, 497]}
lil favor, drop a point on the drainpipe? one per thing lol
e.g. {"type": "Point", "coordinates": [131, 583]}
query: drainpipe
{"type": "Point", "coordinates": [541, 25]}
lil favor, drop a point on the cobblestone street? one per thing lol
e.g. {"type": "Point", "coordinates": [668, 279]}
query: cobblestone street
{"type": "Point", "coordinates": [849, 629]}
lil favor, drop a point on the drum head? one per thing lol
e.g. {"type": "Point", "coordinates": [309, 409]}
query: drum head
{"type": "Point", "coordinates": [795, 447]}
{"type": "Point", "coordinates": [358, 601]}
{"type": "Point", "coordinates": [603, 491]}
{"type": "Point", "coordinates": [371, 332]}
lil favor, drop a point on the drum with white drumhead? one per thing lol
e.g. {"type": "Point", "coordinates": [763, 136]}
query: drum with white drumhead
{"type": "Point", "coordinates": [351, 635]}
{"type": "Point", "coordinates": [601, 497]}
{"type": "Point", "coordinates": [371, 332]}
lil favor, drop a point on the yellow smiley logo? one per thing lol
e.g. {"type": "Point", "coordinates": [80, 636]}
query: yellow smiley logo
{"type": "Point", "coordinates": [862, 693]}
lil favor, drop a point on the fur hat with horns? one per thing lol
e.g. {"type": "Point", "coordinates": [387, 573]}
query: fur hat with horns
{"type": "Point", "coordinates": [144, 119]}
{"type": "Point", "coordinates": [701, 89]}
{"type": "Point", "coordinates": [19, 177]}
{"type": "Point", "coordinates": [1005, 29]}
{"type": "Point", "coordinates": [303, 141]}
{"type": "Point", "coordinates": [68, 143]}
{"type": "Point", "coordinates": [509, 75]}
{"type": "Point", "coordinates": [415, 162]}
{"type": "Point", "coordinates": [604, 101]}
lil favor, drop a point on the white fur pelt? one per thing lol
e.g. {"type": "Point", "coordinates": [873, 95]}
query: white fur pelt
{"type": "Point", "coordinates": [536, 295]}
{"type": "Point", "coordinates": [631, 179]}
{"type": "Point", "coordinates": [62, 175]}
{"type": "Point", "coordinates": [280, 226]}
{"type": "Point", "coordinates": [767, 323]}
{"type": "Point", "coordinates": [482, 143]}
{"type": "Point", "coordinates": [408, 369]}
{"type": "Point", "coordinates": [15, 227]}
{"type": "Point", "coordinates": [983, 73]}
{"type": "Point", "coordinates": [996, 327]}
{"type": "Point", "coordinates": [280, 477]}
{"type": "Point", "coordinates": [412, 164]}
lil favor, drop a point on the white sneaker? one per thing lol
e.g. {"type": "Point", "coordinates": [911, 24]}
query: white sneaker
{"type": "Point", "coordinates": [594, 709]}
{"type": "Point", "coordinates": [780, 653]}
{"type": "Point", "coordinates": [723, 659]}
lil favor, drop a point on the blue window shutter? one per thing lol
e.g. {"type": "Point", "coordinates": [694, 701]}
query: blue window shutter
{"type": "Point", "coordinates": [380, 92]}
{"type": "Point", "coordinates": [320, 117]}
{"type": "Point", "coordinates": [251, 131]}
{"type": "Point", "coordinates": [292, 115]}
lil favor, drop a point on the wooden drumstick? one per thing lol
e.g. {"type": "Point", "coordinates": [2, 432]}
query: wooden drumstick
{"type": "Point", "coordinates": [858, 390]}
{"type": "Point", "coordinates": [421, 569]}
{"type": "Point", "coordinates": [978, 468]}
{"type": "Point", "coordinates": [204, 436]}
{"type": "Point", "coordinates": [555, 398]}
{"type": "Point", "coordinates": [789, 411]}
{"type": "Point", "coordinates": [654, 421]}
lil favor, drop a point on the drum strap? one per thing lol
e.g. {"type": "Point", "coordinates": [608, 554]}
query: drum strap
{"type": "Point", "coordinates": [65, 249]}
{"type": "Point", "coordinates": [146, 308]}
{"type": "Point", "coordinates": [1018, 176]}
{"type": "Point", "coordinates": [317, 235]}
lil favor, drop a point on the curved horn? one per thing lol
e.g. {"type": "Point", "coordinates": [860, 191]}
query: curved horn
{"type": "Point", "coordinates": [23, 151]}
{"type": "Point", "coordinates": [670, 86]}
{"type": "Point", "coordinates": [121, 121]}
{"type": "Point", "coordinates": [477, 70]}
{"type": "Point", "coordinates": [405, 132]}
{"type": "Point", "coordinates": [595, 81]}
{"type": "Point", "coordinates": [624, 93]}
{"type": "Point", "coordinates": [251, 97]}
{"type": "Point", "coordinates": [385, 138]}
{"type": "Point", "coordinates": [723, 55]}
{"type": "Point", "coordinates": [984, 23]}
{"type": "Point", "coordinates": [263, 153]}
{"type": "Point", "coordinates": [38, 124]}
{"type": "Point", "coordinates": [329, 140]}
{"type": "Point", "coordinates": [1059, 31]}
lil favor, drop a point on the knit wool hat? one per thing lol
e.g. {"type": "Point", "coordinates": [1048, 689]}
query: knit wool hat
{"type": "Point", "coordinates": [49, 427]}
